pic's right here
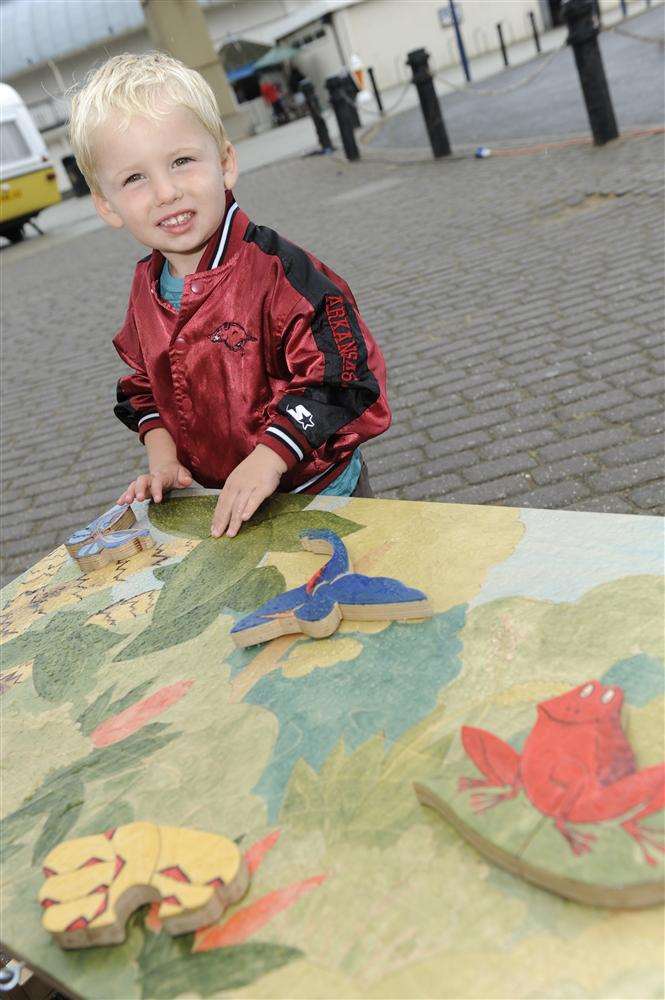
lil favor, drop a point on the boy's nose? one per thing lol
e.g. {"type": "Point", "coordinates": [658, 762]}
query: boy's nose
{"type": "Point", "coordinates": [166, 192]}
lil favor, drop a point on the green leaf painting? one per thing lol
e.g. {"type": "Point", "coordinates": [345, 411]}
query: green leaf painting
{"type": "Point", "coordinates": [67, 654]}
{"type": "Point", "coordinates": [62, 793]}
{"type": "Point", "coordinates": [192, 517]}
{"type": "Point", "coordinates": [168, 969]}
{"type": "Point", "coordinates": [223, 572]}
{"type": "Point", "coordinates": [104, 706]}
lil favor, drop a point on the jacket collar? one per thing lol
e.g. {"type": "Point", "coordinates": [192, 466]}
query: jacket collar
{"type": "Point", "coordinates": [222, 245]}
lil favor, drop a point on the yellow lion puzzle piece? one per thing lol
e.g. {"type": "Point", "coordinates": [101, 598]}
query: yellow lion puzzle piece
{"type": "Point", "coordinates": [93, 884]}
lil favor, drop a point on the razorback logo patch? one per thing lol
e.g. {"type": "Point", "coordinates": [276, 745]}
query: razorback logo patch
{"type": "Point", "coordinates": [233, 335]}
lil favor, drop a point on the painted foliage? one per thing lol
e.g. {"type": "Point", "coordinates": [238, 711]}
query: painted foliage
{"type": "Point", "coordinates": [124, 699]}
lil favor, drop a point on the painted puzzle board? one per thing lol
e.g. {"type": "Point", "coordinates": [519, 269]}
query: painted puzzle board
{"type": "Point", "coordinates": [124, 699]}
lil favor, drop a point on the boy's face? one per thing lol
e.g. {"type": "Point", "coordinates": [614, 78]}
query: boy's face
{"type": "Point", "coordinates": [165, 182]}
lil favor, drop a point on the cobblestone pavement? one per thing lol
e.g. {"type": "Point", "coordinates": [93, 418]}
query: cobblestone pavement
{"type": "Point", "coordinates": [519, 302]}
{"type": "Point", "coordinates": [550, 104]}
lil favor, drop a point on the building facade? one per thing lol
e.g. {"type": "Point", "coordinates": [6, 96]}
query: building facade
{"type": "Point", "coordinates": [49, 45]}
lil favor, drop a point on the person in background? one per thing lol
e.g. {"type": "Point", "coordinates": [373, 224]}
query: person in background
{"type": "Point", "coordinates": [295, 79]}
{"type": "Point", "coordinates": [272, 95]}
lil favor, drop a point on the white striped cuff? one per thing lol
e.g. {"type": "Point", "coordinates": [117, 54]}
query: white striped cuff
{"type": "Point", "coordinates": [148, 416]}
{"type": "Point", "coordinates": [288, 441]}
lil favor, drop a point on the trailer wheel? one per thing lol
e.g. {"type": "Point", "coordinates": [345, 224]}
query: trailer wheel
{"type": "Point", "coordinates": [14, 234]}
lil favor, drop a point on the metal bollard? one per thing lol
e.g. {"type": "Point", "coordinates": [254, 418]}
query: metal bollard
{"type": "Point", "coordinates": [344, 113]}
{"type": "Point", "coordinates": [534, 28]}
{"type": "Point", "coordinates": [624, 8]}
{"type": "Point", "coordinates": [418, 60]}
{"type": "Point", "coordinates": [504, 51]}
{"type": "Point", "coordinates": [352, 93]}
{"type": "Point", "coordinates": [460, 41]}
{"type": "Point", "coordinates": [314, 108]}
{"type": "Point", "coordinates": [377, 92]}
{"type": "Point", "coordinates": [583, 36]}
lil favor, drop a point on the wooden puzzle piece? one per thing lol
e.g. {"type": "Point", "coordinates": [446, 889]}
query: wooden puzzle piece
{"type": "Point", "coordinates": [576, 767]}
{"type": "Point", "coordinates": [117, 518]}
{"type": "Point", "coordinates": [198, 875]}
{"type": "Point", "coordinates": [333, 593]}
{"type": "Point", "coordinates": [109, 538]}
{"type": "Point", "coordinates": [93, 884]}
{"type": "Point", "coordinates": [112, 548]}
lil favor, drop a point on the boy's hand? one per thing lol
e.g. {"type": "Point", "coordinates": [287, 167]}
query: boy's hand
{"type": "Point", "coordinates": [171, 475]}
{"type": "Point", "coordinates": [256, 478]}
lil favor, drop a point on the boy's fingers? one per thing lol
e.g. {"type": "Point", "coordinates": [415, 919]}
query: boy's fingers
{"type": "Point", "coordinates": [129, 495]}
{"type": "Point", "coordinates": [184, 478]}
{"type": "Point", "coordinates": [239, 505]}
{"type": "Point", "coordinates": [256, 498]}
{"type": "Point", "coordinates": [143, 487]}
{"type": "Point", "coordinates": [156, 488]}
{"type": "Point", "coordinates": [220, 518]}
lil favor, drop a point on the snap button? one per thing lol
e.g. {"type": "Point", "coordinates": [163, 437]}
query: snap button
{"type": "Point", "coordinates": [180, 340]}
{"type": "Point", "coordinates": [196, 286]}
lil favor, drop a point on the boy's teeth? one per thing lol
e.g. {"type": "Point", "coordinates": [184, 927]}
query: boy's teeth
{"type": "Point", "coordinates": [176, 220]}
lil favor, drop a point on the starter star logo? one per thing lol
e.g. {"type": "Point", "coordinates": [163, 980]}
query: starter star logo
{"type": "Point", "coordinates": [301, 415]}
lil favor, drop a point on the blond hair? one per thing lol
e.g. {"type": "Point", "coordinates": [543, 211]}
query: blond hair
{"type": "Point", "coordinates": [138, 85]}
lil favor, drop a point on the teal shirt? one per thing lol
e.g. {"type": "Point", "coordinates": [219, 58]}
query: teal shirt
{"type": "Point", "coordinates": [347, 481]}
{"type": "Point", "coordinates": [170, 289]}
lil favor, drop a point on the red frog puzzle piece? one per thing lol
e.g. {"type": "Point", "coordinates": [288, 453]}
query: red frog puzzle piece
{"type": "Point", "coordinates": [577, 766]}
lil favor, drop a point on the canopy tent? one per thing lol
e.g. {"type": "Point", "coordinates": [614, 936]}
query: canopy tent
{"type": "Point", "coordinates": [241, 73]}
{"type": "Point", "coordinates": [238, 53]}
{"type": "Point", "coordinates": [276, 55]}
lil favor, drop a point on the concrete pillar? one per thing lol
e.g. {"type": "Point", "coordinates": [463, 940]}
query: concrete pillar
{"type": "Point", "coordinates": [179, 28]}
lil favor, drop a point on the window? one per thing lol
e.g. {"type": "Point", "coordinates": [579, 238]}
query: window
{"type": "Point", "coordinates": [13, 146]}
{"type": "Point", "coordinates": [310, 33]}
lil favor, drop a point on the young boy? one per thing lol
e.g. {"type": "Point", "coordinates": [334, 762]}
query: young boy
{"type": "Point", "coordinates": [251, 368]}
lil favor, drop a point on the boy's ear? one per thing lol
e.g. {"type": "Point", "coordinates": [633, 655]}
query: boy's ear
{"type": "Point", "coordinates": [230, 167]}
{"type": "Point", "coordinates": [105, 211]}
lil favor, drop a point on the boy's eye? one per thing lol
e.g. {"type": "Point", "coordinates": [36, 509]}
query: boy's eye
{"type": "Point", "coordinates": [131, 179]}
{"type": "Point", "coordinates": [182, 159]}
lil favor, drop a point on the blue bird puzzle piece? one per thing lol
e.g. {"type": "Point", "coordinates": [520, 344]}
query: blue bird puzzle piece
{"type": "Point", "coordinates": [334, 593]}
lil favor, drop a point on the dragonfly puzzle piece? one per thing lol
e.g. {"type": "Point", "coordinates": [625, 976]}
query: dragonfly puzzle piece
{"type": "Point", "coordinates": [577, 767]}
{"type": "Point", "coordinates": [107, 539]}
{"type": "Point", "coordinates": [334, 593]}
{"type": "Point", "coordinates": [93, 884]}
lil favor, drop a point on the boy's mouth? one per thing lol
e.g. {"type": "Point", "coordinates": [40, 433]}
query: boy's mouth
{"type": "Point", "coordinates": [176, 221]}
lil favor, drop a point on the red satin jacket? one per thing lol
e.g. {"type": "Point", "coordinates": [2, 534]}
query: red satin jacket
{"type": "Point", "coordinates": [268, 348]}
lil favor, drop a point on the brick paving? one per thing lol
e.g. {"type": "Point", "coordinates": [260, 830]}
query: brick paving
{"type": "Point", "coordinates": [519, 302]}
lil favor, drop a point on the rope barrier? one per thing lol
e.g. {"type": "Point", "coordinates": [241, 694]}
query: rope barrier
{"type": "Point", "coordinates": [386, 111]}
{"type": "Point", "coordinates": [657, 40]}
{"type": "Point", "coordinates": [474, 91]}
{"type": "Point", "coordinates": [511, 88]}
{"type": "Point", "coordinates": [484, 92]}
